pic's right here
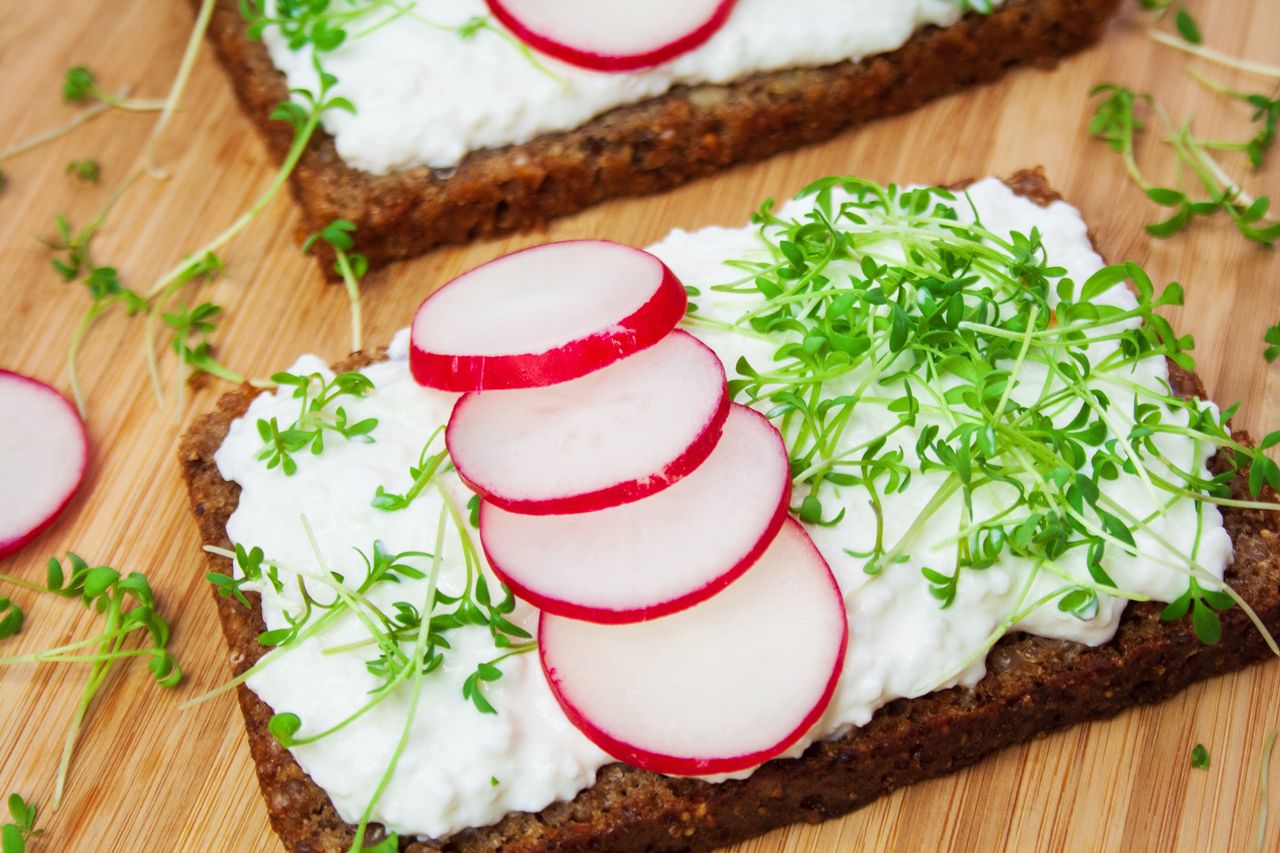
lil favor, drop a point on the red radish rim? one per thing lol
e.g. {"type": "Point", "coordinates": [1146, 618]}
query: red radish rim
{"type": "Point", "coordinates": [608, 616]}
{"type": "Point", "coordinates": [17, 543]}
{"type": "Point", "coordinates": [612, 62]}
{"type": "Point", "coordinates": [641, 329]}
{"type": "Point", "coordinates": [619, 493]}
{"type": "Point", "coordinates": [672, 765]}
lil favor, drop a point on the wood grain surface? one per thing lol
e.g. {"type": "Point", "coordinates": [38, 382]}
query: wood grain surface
{"type": "Point", "coordinates": [148, 776]}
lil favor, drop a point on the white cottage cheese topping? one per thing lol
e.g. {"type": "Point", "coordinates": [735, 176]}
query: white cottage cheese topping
{"type": "Point", "coordinates": [462, 768]}
{"type": "Point", "coordinates": [426, 96]}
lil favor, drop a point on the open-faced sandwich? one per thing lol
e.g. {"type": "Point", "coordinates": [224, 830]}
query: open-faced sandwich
{"type": "Point", "coordinates": [657, 550]}
{"type": "Point", "coordinates": [447, 120]}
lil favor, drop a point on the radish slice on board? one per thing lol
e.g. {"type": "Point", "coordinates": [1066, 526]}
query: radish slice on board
{"type": "Point", "coordinates": [717, 688]}
{"type": "Point", "coordinates": [613, 36]}
{"type": "Point", "coordinates": [43, 453]}
{"type": "Point", "coordinates": [543, 315]}
{"type": "Point", "coordinates": [611, 437]}
{"type": "Point", "coordinates": [653, 556]}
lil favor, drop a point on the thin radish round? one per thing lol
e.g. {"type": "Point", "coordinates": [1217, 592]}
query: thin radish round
{"type": "Point", "coordinates": [43, 454]}
{"type": "Point", "coordinates": [658, 555]}
{"type": "Point", "coordinates": [543, 315]}
{"type": "Point", "coordinates": [608, 438]}
{"type": "Point", "coordinates": [717, 688]}
{"type": "Point", "coordinates": [617, 36]}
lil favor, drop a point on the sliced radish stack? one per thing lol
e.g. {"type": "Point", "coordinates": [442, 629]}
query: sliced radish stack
{"type": "Point", "coordinates": [544, 315]}
{"type": "Point", "coordinates": [653, 556]}
{"type": "Point", "coordinates": [717, 688]}
{"type": "Point", "coordinates": [613, 36]}
{"type": "Point", "coordinates": [608, 438]}
{"type": "Point", "coordinates": [43, 454]}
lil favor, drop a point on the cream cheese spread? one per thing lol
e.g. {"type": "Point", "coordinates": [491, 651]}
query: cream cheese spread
{"type": "Point", "coordinates": [462, 768]}
{"type": "Point", "coordinates": [425, 96]}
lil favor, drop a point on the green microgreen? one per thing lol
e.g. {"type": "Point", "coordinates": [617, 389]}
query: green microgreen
{"type": "Point", "coordinates": [316, 395]}
{"type": "Point", "coordinates": [1204, 605]}
{"type": "Point", "coordinates": [1265, 114]}
{"type": "Point", "coordinates": [421, 475]}
{"type": "Point", "coordinates": [14, 835]}
{"type": "Point", "coordinates": [475, 606]}
{"type": "Point", "coordinates": [79, 85]}
{"type": "Point", "coordinates": [425, 626]}
{"type": "Point", "coordinates": [189, 341]}
{"type": "Point", "coordinates": [11, 618]}
{"type": "Point", "coordinates": [89, 171]}
{"type": "Point", "coordinates": [1201, 51]}
{"type": "Point", "coordinates": [105, 291]}
{"type": "Point", "coordinates": [350, 265]}
{"type": "Point", "coordinates": [1272, 338]}
{"type": "Point", "coordinates": [987, 370]}
{"type": "Point", "coordinates": [250, 563]}
{"type": "Point", "coordinates": [128, 608]}
{"type": "Point", "coordinates": [1116, 121]}
{"type": "Point", "coordinates": [1183, 21]}
{"type": "Point", "coordinates": [1211, 190]}
{"type": "Point", "coordinates": [1200, 757]}
{"type": "Point", "coordinates": [302, 112]}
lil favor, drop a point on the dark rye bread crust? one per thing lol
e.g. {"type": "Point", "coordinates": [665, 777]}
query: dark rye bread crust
{"type": "Point", "coordinates": [1034, 686]}
{"type": "Point", "coordinates": [647, 147]}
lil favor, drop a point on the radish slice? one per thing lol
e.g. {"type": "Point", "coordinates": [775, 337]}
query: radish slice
{"type": "Point", "coordinates": [543, 315]}
{"type": "Point", "coordinates": [717, 688]}
{"type": "Point", "coordinates": [43, 454]}
{"type": "Point", "coordinates": [658, 555]}
{"type": "Point", "coordinates": [611, 437]}
{"type": "Point", "coordinates": [613, 36]}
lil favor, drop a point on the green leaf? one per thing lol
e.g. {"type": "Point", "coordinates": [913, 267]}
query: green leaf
{"type": "Point", "coordinates": [11, 618]}
{"type": "Point", "coordinates": [285, 727]}
{"type": "Point", "coordinates": [53, 577]}
{"type": "Point", "coordinates": [1207, 625]}
{"type": "Point", "coordinates": [1187, 26]}
{"type": "Point", "coordinates": [23, 815]}
{"type": "Point", "coordinates": [1080, 602]}
{"type": "Point", "coordinates": [77, 85]}
{"type": "Point", "coordinates": [1116, 527]}
{"type": "Point", "coordinates": [1272, 337]}
{"type": "Point", "coordinates": [1166, 197]}
{"type": "Point", "coordinates": [1200, 757]}
{"type": "Point", "coordinates": [1177, 608]}
{"type": "Point", "coordinates": [11, 839]}
{"type": "Point", "coordinates": [1102, 281]}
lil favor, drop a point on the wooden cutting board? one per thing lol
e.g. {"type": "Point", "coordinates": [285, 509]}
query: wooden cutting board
{"type": "Point", "coordinates": [147, 776]}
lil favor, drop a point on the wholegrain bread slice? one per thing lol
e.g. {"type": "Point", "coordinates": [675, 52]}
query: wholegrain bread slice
{"type": "Point", "coordinates": [1033, 686]}
{"type": "Point", "coordinates": [646, 147]}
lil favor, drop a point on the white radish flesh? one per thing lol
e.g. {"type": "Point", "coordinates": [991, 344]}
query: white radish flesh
{"type": "Point", "coordinates": [653, 556]}
{"type": "Point", "coordinates": [717, 688]}
{"type": "Point", "coordinates": [613, 36]}
{"type": "Point", "coordinates": [43, 454]}
{"type": "Point", "coordinates": [608, 438]}
{"type": "Point", "coordinates": [544, 315]}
